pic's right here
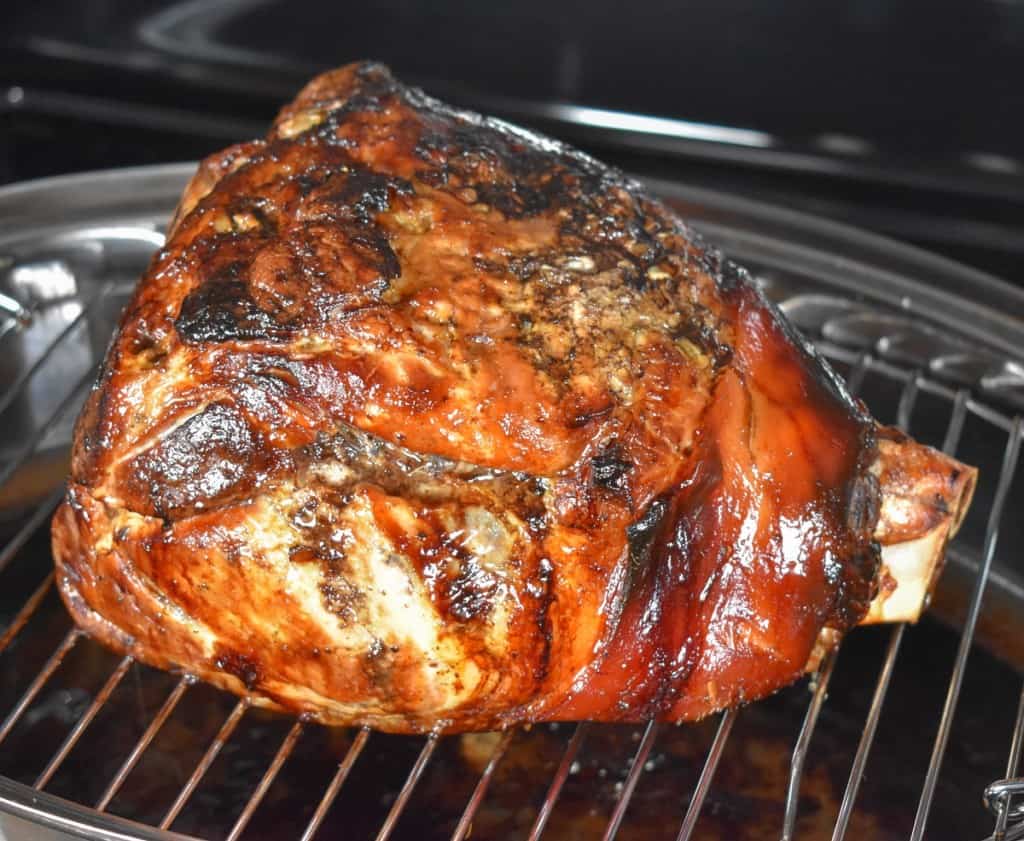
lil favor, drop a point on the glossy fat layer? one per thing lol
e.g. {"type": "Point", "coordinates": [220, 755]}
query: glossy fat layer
{"type": "Point", "coordinates": [424, 422]}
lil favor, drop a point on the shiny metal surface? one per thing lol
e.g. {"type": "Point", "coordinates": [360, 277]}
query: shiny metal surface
{"type": "Point", "coordinates": [71, 820]}
{"type": "Point", "coordinates": [926, 329]}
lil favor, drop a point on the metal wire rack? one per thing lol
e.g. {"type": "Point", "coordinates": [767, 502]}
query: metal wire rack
{"type": "Point", "coordinates": [866, 356]}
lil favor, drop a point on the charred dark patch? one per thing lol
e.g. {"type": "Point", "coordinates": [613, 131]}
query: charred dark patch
{"type": "Point", "coordinates": [863, 505]}
{"type": "Point", "coordinates": [634, 276]}
{"type": "Point", "coordinates": [640, 534]}
{"type": "Point", "coordinates": [364, 193]}
{"type": "Point", "coordinates": [852, 568]}
{"type": "Point", "coordinates": [702, 330]}
{"type": "Point", "coordinates": [308, 181]}
{"type": "Point", "coordinates": [489, 266]}
{"type": "Point", "coordinates": [642, 251]}
{"type": "Point", "coordinates": [369, 100]}
{"type": "Point", "coordinates": [458, 585]}
{"type": "Point", "coordinates": [524, 266]}
{"type": "Point", "coordinates": [374, 249]}
{"type": "Point", "coordinates": [375, 90]}
{"type": "Point", "coordinates": [211, 458]}
{"type": "Point", "coordinates": [645, 246]}
{"type": "Point", "coordinates": [245, 667]}
{"type": "Point", "coordinates": [610, 469]}
{"type": "Point", "coordinates": [222, 310]}
{"type": "Point", "coordinates": [471, 593]}
{"type": "Point", "coordinates": [855, 584]}
{"type": "Point", "coordinates": [92, 432]}
{"type": "Point", "coordinates": [728, 276]}
{"type": "Point", "coordinates": [501, 170]}
{"type": "Point", "coordinates": [375, 83]}
{"type": "Point", "coordinates": [340, 216]}
{"type": "Point", "coordinates": [431, 548]}
{"type": "Point", "coordinates": [514, 200]}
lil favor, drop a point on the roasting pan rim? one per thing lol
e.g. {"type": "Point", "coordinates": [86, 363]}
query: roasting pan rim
{"type": "Point", "coordinates": [76, 820]}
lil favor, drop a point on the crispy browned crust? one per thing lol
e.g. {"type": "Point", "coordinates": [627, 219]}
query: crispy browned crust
{"type": "Point", "coordinates": [424, 422]}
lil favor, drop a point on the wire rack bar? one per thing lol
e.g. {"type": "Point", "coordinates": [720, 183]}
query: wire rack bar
{"type": "Point", "coordinates": [998, 795]}
{"type": "Point", "coordinates": [1004, 807]}
{"type": "Point", "coordinates": [707, 774]}
{"type": "Point", "coordinates": [561, 775]}
{"type": "Point", "coordinates": [226, 729]}
{"type": "Point", "coordinates": [956, 423]}
{"type": "Point", "coordinates": [283, 752]}
{"type": "Point", "coordinates": [11, 394]}
{"type": "Point", "coordinates": [908, 397]}
{"type": "Point", "coordinates": [12, 467]}
{"type": "Point", "coordinates": [27, 611]}
{"type": "Point", "coordinates": [1017, 742]}
{"type": "Point", "coordinates": [867, 737]}
{"type": "Point", "coordinates": [143, 743]}
{"type": "Point", "coordinates": [967, 638]}
{"type": "Point", "coordinates": [635, 770]}
{"type": "Point", "coordinates": [854, 382]}
{"type": "Point", "coordinates": [29, 527]}
{"type": "Point", "coordinates": [952, 439]}
{"type": "Point", "coordinates": [907, 401]}
{"type": "Point", "coordinates": [862, 363]}
{"type": "Point", "coordinates": [398, 807]}
{"type": "Point", "coordinates": [855, 379]}
{"type": "Point", "coordinates": [7, 326]}
{"type": "Point", "coordinates": [1014, 833]}
{"type": "Point", "coordinates": [803, 741]}
{"type": "Point", "coordinates": [351, 755]}
{"type": "Point", "coordinates": [9, 305]}
{"type": "Point", "coordinates": [851, 357]}
{"type": "Point", "coordinates": [17, 314]}
{"type": "Point", "coordinates": [86, 719]}
{"type": "Point", "coordinates": [43, 675]}
{"type": "Point", "coordinates": [466, 821]}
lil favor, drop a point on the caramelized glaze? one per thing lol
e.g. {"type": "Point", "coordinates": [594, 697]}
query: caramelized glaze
{"type": "Point", "coordinates": [424, 422]}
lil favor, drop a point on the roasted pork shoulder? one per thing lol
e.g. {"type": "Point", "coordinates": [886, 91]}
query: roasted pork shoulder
{"type": "Point", "coordinates": [424, 422]}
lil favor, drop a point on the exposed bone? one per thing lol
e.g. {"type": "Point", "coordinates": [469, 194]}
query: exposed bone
{"type": "Point", "coordinates": [924, 498]}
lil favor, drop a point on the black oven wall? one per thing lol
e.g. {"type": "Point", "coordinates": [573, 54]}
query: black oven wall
{"type": "Point", "coordinates": [904, 118]}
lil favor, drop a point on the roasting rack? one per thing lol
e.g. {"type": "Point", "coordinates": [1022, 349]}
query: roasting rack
{"type": "Point", "coordinates": [929, 331]}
